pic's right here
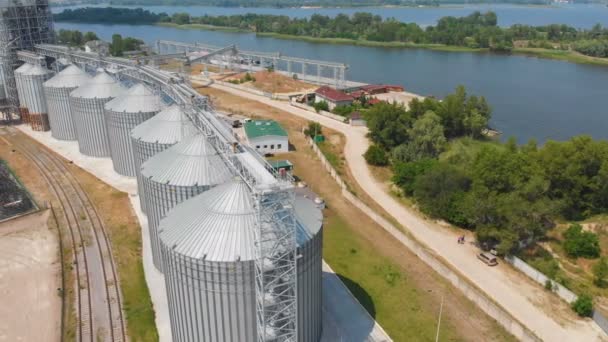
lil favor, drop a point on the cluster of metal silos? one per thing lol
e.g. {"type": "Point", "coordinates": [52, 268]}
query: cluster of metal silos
{"type": "Point", "coordinates": [87, 103]}
{"type": "Point", "coordinates": [208, 250]}
{"type": "Point", "coordinates": [23, 112]}
{"type": "Point", "coordinates": [123, 114]}
{"type": "Point", "coordinates": [32, 83]}
{"type": "Point", "coordinates": [155, 135]}
{"type": "Point", "coordinates": [57, 93]}
{"type": "Point", "coordinates": [180, 172]}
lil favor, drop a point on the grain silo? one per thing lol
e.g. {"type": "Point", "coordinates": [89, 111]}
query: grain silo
{"type": "Point", "coordinates": [87, 103]}
{"type": "Point", "coordinates": [23, 112]}
{"type": "Point", "coordinates": [57, 92]}
{"type": "Point", "coordinates": [123, 113]}
{"type": "Point", "coordinates": [208, 250]}
{"type": "Point", "coordinates": [176, 174]}
{"type": "Point", "coordinates": [155, 135]}
{"type": "Point", "coordinates": [33, 80]}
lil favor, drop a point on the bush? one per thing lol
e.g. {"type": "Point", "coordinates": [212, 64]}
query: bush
{"type": "Point", "coordinates": [583, 305]}
{"type": "Point", "coordinates": [322, 105]}
{"type": "Point", "coordinates": [579, 243]}
{"type": "Point", "coordinates": [314, 128]}
{"type": "Point", "coordinates": [375, 155]}
{"type": "Point", "coordinates": [600, 272]}
{"type": "Point", "coordinates": [549, 285]}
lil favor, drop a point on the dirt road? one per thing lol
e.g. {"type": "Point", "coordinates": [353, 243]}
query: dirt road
{"type": "Point", "coordinates": [529, 303]}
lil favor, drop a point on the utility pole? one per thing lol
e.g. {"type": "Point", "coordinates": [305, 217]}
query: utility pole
{"type": "Point", "coordinates": [439, 319]}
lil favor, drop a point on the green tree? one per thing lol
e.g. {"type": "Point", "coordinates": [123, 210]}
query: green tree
{"type": "Point", "coordinates": [321, 105]}
{"type": "Point", "coordinates": [426, 139]}
{"type": "Point", "coordinates": [405, 174]}
{"type": "Point", "coordinates": [583, 305]}
{"type": "Point", "coordinates": [579, 243]}
{"type": "Point", "coordinates": [600, 272]}
{"type": "Point", "coordinates": [388, 124]}
{"type": "Point", "coordinates": [376, 156]}
{"type": "Point", "coordinates": [89, 36]}
{"type": "Point", "coordinates": [116, 47]}
{"type": "Point", "coordinates": [313, 129]}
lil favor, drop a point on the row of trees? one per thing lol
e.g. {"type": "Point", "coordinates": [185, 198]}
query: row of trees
{"type": "Point", "coordinates": [321, 3]}
{"type": "Point", "coordinates": [75, 37]}
{"type": "Point", "coordinates": [477, 30]}
{"type": "Point", "coordinates": [505, 192]}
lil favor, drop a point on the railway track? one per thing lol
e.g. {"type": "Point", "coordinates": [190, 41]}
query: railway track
{"type": "Point", "coordinates": [98, 298]}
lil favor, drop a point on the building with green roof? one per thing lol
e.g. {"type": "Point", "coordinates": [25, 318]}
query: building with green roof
{"type": "Point", "coordinates": [266, 136]}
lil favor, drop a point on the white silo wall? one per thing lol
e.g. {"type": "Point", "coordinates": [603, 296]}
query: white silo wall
{"type": "Point", "coordinates": [180, 172]}
{"type": "Point", "coordinates": [33, 80]}
{"type": "Point", "coordinates": [155, 135]}
{"type": "Point", "coordinates": [208, 250]}
{"type": "Point", "coordinates": [57, 93]}
{"type": "Point", "coordinates": [87, 103]}
{"type": "Point", "coordinates": [23, 111]}
{"type": "Point", "coordinates": [123, 114]}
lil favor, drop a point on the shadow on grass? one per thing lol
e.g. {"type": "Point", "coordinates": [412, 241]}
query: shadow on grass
{"type": "Point", "coordinates": [361, 294]}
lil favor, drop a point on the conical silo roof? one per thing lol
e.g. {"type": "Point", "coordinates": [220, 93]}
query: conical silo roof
{"type": "Point", "coordinates": [23, 68]}
{"type": "Point", "coordinates": [218, 225]}
{"type": "Point", "coordinates": [138, 98]}
{"type": "Point", "coordinates": [168, 127]}
{"type": "Point", "coordinates": [102, 86]}
{"type": "Point", "coordinates": [70, 77]}
{"type": "Point", "coordinates": [190, 162]}
{"type": "Point", "coordinates": [37, 70]}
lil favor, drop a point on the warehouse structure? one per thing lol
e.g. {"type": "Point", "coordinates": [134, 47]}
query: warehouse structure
{"type": "Point", "coordinates": [57, 93]}
{"type": "Point", "coordinates": [208, 245]}
{"type": "Point", "coordinates": [87, 103]}
{"type": "Point", "coordinates": [155, 135]}
{"type": "Point", "coordinates": [176, 174]}
{"type": "Point", "coordinates": [266, 136]}
{"type": "Point", "coordinates": [123, 114]}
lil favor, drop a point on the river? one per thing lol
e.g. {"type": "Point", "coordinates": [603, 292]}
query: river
{"type": "Point", "coordinates": [531, 97]}
{"type": "Point", "coordinates": [580, 15]}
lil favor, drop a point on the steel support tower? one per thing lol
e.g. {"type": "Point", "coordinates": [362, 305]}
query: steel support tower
{"type": "Point", "coordinates": [23, 24]}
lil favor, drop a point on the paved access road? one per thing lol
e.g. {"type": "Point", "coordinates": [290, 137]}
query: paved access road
{"type": "Point", "coordinates": [514, 293]}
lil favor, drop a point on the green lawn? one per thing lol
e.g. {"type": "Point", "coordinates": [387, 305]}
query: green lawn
{"type": "Point", "coordinates": [381, 286]}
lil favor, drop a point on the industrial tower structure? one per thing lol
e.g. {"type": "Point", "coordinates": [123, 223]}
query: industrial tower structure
{"type": "Point", "coordinates": [23, 24]}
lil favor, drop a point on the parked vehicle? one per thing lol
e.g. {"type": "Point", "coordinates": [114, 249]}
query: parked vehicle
{"type": "Point", "coordinates": [487, 259]}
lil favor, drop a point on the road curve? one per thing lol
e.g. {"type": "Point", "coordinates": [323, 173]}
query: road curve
{"type": "Point", "coordinates": [510, 290]}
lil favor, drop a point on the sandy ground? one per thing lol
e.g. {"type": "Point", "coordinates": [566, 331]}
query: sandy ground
{"type": "Point", "coordinates": [340, 322]}
{"type": "Point", "coordinates": [524, 300]}
{"type": "Point", "coordinates": [401, 97]}
{"type": "Point", "coordinates": [29, 279]}
{"type": "Point", "coordinates": [273, 82]}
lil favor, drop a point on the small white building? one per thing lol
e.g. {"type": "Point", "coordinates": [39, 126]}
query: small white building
{"type": "Point", "coordinates": [266, 136]}
{"type": "Point", "coordinates": [97, 46]}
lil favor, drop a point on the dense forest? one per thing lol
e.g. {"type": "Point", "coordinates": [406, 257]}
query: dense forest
{"type": "Point", "coordinates": [504, 192]}
{"type": "Point", "coordinates": [478, 30]}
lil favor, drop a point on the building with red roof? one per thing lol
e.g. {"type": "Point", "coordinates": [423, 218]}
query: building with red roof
{"type": "Point", "coordinates": [333, 97]}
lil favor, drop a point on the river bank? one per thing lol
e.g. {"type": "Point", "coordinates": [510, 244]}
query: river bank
{"type": "Point", "coordinates": [561, 55]}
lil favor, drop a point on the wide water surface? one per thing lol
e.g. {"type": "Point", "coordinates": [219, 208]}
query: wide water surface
{"type": "Point", "coordinates": [531, 97]}
{"type": "Point", "coordinates": [580, 16]}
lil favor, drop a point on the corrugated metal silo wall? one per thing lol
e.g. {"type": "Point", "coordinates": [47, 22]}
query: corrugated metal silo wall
{"type": "Point", "coordinates": [142, 151]}
{"type": "Point", "coordinates": [160, 198]}
{"type": "Point", "coordinates": [215, 301]}
{"type": "Point", "coordinates": [210, 301]}
{"type": "Point", "coordinates": [91, 131]}
{"type": "Point", "coordinates": [119, 132]}
{"type": "Point", "coordinates": [38, 113]}
{"type": "Point", "coordinates": [22, 98]}
{"type": "Point", "coordinates": [310, 289]}
{"type": "Point", "coordinates": [60, 112]}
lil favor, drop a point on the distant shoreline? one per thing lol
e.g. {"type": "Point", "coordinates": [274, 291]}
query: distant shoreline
{"type": "Point", "coordinates": [561, 55]}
